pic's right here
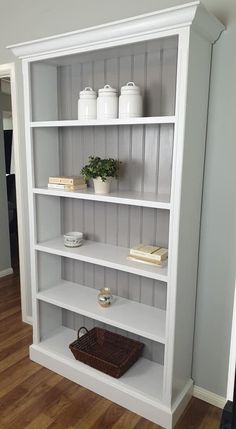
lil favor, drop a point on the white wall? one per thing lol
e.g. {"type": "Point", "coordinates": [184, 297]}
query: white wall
{"type": "Point", "coordinates": [217, 268]}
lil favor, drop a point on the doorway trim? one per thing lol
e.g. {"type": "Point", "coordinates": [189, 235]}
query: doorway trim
{"type": "Point", "coordinates": [8, 70]}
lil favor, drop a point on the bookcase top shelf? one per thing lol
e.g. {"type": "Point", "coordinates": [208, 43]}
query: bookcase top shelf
{"type": "Point", "coordinates": [141, 319]}
{"type": "Point", "coordinates": [95, 122]}
{"type": "Point", "coordinates": [145, 199]}
{"type": "Point", "coordinates": [105, 255]}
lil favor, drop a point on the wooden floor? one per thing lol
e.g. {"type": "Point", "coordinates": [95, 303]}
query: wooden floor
{"type": "Point", "coordinates": [32, 397]}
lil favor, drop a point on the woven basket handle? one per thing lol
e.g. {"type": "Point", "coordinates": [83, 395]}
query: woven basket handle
{"type": "Point", "coordinates": [79, 331]}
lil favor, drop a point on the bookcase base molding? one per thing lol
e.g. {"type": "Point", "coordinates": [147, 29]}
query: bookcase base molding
{"type": "Point", "coordinates": [155, 201]}
{"type": "Point", "coordinates": [143, 397]}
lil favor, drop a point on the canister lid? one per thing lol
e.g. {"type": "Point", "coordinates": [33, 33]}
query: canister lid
{"type": "Point", "coordinates": [130, 88]}
{"type": "Point", "coordinates": [107, 90]}
{"type": "Point", "coordinates": [88, 92]}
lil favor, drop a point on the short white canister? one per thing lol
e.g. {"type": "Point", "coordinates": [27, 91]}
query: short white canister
{"type": "Point", "coordinates": [87, 104]}
{"type": "Point", "coordinates": [130, 101]}
{"type": "Point", "coordinates": [107, 103]}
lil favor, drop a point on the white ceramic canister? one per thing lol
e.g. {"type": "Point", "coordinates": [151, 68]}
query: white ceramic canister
{"type": "Point", "coordinates": [107, 103]}
{"type": "Point", "coordinates": [130, 101]}
{"type": "Point", "coordinates": [87, 104]}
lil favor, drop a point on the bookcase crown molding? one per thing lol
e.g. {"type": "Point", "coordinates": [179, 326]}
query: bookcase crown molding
{"type": "Point", "coordinates": [125, 31]}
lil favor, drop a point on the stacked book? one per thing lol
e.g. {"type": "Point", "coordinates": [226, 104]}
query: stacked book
{"type": "Point", "coordinates": [67, 183]}
{"type": "Point", "coordinates": [152, 255]}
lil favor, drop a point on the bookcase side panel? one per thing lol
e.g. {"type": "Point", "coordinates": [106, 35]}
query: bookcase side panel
{"type": "Point", "coordinates": [49, 270]}
{"type": "Point", "coordinates": [46, 150]}
{"type": "Point", "coordinates": [44, 89]}
{"type": "Point", "coordinates": [48, 217]}
{"type": "Point", "coordinates": [190, 209]}
{"type": "Point", "coordinates": [50, 319]}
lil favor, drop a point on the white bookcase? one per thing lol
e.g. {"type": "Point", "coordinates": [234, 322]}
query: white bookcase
{"type": "Point", "coordinates": [157, 199]}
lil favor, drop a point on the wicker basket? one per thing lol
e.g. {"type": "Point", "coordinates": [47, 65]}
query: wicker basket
{"type": "Point", "coordinates": [108, 352]}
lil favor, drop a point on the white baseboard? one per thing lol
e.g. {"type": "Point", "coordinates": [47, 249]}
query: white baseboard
{"type": "Point", "coordinates": [6, 272]}
{"type": "Point", "coordinates": [210, 397]}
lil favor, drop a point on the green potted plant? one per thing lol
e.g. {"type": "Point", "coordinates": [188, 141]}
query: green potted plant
{"type": "Point", "coordinates": [101, 171]}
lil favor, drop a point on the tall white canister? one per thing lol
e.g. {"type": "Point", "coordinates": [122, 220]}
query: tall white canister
{"type": "Point", "coordinates": [130, 101]}
{"type": "Point", "coordinates": [107, 103]}
{"type": "Point", "coordinates": [87, 104]}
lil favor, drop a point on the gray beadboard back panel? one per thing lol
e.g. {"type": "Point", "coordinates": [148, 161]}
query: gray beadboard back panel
{"type": "Point", "coordinates": [151, 65]}
{"type": "Point", "coordinates": [129, 286]}
{"type": "Point", "coordinates": [153, 351]}
{"type": "Point", "coordinates": [145, 152]}
{"type": "Point", "coordinates": [115, 224]}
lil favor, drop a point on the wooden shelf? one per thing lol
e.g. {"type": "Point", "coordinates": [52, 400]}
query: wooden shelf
{"type": "Point", "coordinates": [96, 122]}
{"type": "Point", "coordinates": [141, 319]}
{"type": "Point", "coordinates": [105, 255]}
{"type": "Point", "coordinates": [146, 199]}
{"type": "Point", "coordinates": [143, 378]}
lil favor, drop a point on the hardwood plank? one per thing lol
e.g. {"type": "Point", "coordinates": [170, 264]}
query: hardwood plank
{"type": "Point", "coordinates": [12, 348]}
{"type": "Point", "coordinates": [9, 312]}
{"type": "Point", "coordinates": [14, 358]}
{"type": "Point", "coordinates": [14, 401]}
{"type": "Point", "coordinates": [95, 413]}
{"type": "Point", "coordinates": [14, 375]}
{"type": "Point", "coordinates": [109, 417]}
{"type": "Point", "coordinates": [42, 421]}
{"type": "Point", "coordinates": [145, 424]}
{"type": "Point", "coordinates": [77, 409]}
{"type": "Point", "coordinates": [127, 420]}
{"type": "Point", "coordinates": [32, 397]}
{"type": "Point", "coordinates": [41, 397]}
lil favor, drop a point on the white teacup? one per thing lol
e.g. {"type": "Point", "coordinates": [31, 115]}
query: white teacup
{"type": "Point", "coordinates": [73, 239]}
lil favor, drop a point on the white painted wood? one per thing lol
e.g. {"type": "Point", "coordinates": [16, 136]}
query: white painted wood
{"type": "Point", "coordinates": [181, 402]}
{"type": "Point", "coordinates": [232, 356]}
{"type": "Point", "coordinates": [196, 89]}
{"type": "Point", "coordinates": [125, 31]}
{"type": "Point", "coordinates": [158, 161]}
{"type": "Point", "coordinates": [50, 319]}
{"type": "Point", "coordinates": [44, 92]}
{"type": "Point", "coordinates": [8, 70]}
{"type": "Point", "coordinates": [141, 386]}
{"type": "Point", "coordinates": [45, 140]}
{"type": "Point", "coordinates": [107, 122]}
{"type": "Point", "coordinates": [6, 272]}
{"type": "Point", "coordinates": [146, 199]}
{"type": "Point", "coordinates": [131, 316]}
{"type": "Point", "coordinates": [182, 65]}
{"type": "Point", "coordinates": [104, 255]}
{"type": "Point", "coordinates": [49, 271]}
{"type": "Point", "coordinates": [210, 397]}
{"type": "Point", "coordinates": [31, 200]}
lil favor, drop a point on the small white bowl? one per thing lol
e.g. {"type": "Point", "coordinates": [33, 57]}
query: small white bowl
{"type": "Point", "coordinates": [73, 239]}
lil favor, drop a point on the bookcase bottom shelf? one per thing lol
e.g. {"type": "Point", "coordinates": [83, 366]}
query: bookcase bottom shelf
{"type": "Point", "coordinates": [139, 389]}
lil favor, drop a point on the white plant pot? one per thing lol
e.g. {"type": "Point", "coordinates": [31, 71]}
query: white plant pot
{"type": "Point", "coordinates": [101, 187]}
